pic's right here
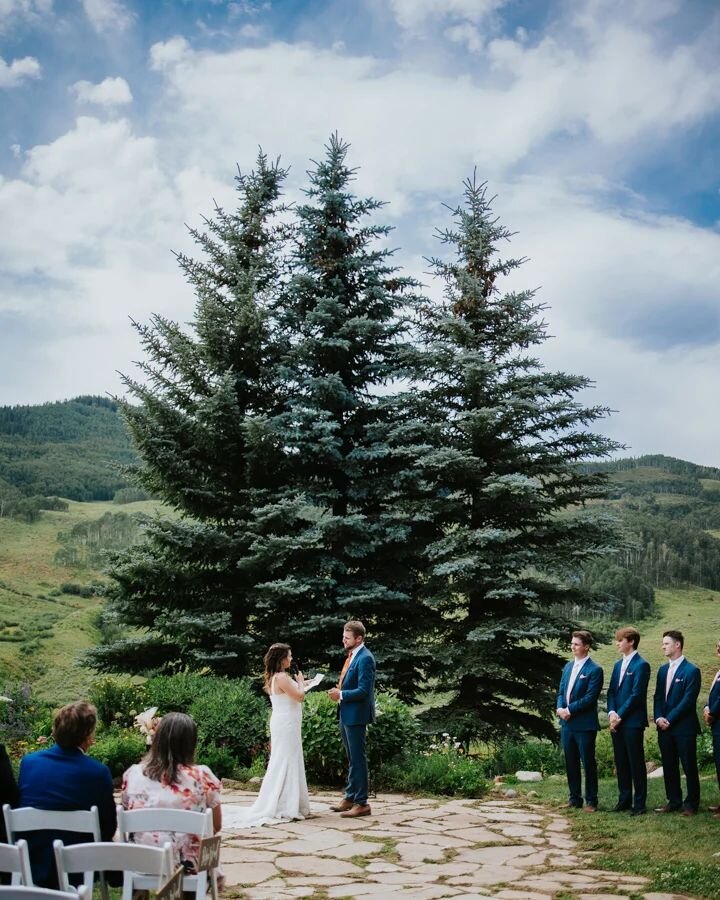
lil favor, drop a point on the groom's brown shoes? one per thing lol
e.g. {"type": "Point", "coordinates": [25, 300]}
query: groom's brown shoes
{"type": "Point", "coordinates": [357, 810]}
{"type": "Point", "coordinates": [342, 806]}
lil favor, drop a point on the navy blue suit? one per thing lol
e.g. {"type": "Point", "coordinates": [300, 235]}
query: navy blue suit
{"type": "Point", "coordinates": [714, 709]}
{"type": "Point", "coordinates": [629, 700]}
{"type": "Point", "coordinates": [678, 744]}
{"type": "Point", "coordinates": [578, 734]}
{"type": "Point", "coordinates": [63, 779]}
{"type": "Point", "coordinates": [357, 711]}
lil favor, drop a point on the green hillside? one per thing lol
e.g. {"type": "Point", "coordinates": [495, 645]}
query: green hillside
{"type": "Point", "coordinates": [71, 449]}
{"type": "Point", "coordinates": [43, 628]}
{"type": "Point", "coordinates": [670, 510]}
{"type": "Point", "coordinates": [667, 574]}
{"type": "Point", "coordinates": [693, 611]}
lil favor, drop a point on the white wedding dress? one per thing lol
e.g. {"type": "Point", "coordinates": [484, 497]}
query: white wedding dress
{"type": "Point", "coordinates": [283, 795]}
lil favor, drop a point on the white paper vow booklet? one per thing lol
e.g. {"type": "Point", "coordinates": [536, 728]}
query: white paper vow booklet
{"type": "Point", "coordinates": [314, 682]}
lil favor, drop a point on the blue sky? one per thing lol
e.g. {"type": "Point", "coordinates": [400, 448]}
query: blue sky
{"type": "Point", "coordinates": [596, 123]}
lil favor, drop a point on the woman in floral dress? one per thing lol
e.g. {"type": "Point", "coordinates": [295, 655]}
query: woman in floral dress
{"type": "Point", "coordinates": [168, 778]}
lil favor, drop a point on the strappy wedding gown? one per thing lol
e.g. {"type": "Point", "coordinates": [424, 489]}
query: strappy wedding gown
{"type": "Point", "coordinates": [283, 795]}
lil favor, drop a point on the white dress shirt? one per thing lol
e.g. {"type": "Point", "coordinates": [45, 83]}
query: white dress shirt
{"type": "Point", "coordinates": [353, 653]}
{"type": "Point", "coordinates": [671, 673]}
{"type": "Point", "coordinates": [577, 665]}
{"type": "Point", "coordinates": [623, 669]}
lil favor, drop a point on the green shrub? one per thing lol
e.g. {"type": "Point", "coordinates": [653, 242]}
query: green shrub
{"type": "Point", "coordinates": [447, 772]}
{"type": "Point", "coordinates": [531, 755]}
{"type": "Point", "coordinates": [26, 717]}
{"type": "Point", "coordinates": [604, 754]}
{"type": "Point", "coordinates": [394, 733]}
{"type": "Point", "coordinates": [177, 693]}
{"type": "Point", "coordinates": [219, 759]}
{"type": "Point", "coordinates": [118, 749]}
{"type": "Point", "coordinates": [118, 700]}
{"type": "Point", "coordinates": [325, 759]}
{"type": "Point", "coordinates": [230, 715]}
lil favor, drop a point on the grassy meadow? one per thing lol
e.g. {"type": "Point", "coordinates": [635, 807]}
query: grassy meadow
{"type": "Point", "coordinates": [42, 631]}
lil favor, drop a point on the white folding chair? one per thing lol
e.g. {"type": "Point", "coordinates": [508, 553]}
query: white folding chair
{"type": "Point", "coordinates": [129, 859]}
{"type": "Point", "coordinates": [175, 821]}
{"type": "Point", "coordinates": [18, 892]}
{"type": "Point", "coordinates": [81, 821]}
{"type": "Point", "coordinates": [15, 859]}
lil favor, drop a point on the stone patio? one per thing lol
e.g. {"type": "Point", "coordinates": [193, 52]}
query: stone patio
{"type": "Point", "coordinates": [423, 849]}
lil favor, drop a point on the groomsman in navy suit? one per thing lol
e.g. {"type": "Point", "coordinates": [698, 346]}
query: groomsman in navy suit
{"type": "Point", "coordinates": [577, 708]}
{"type": "Point", "coordinates": [627, 712]}
{"type": "Point", "coordinates": [712, 718]}
{"type": "Point", "coordinates": [676, 692]}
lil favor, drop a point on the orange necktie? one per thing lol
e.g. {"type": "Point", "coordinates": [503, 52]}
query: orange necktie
{"type": "Point", "coordinates": [345, 667]}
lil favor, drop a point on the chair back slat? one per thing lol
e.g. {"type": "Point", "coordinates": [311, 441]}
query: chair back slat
{"type": "Point", "coordinates": [27, 818]}
{"type": "Point", "coordinates": [15, 860]}
{"type": "Point", "coordinates": [18, 892]}
{"type": "Point", "coordinates": [178, 821]}
{"type": "Point", "coordinates": [108, 856]}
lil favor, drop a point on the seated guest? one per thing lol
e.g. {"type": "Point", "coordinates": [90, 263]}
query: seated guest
{"type": "Point", "coordinates": [169, 778]}
{"type": "Point", "coordinates": [8, 788]}
{"type": "Point", "coordinates": [8, 794]}
{"type": "Point", "coordinates": [64, 778]}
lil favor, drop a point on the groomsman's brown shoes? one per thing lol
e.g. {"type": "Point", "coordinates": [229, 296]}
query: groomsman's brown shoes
{"type": "Point", "coordinates": [356, 811]}
{"type": "Point", "coordinates": [342, 806]}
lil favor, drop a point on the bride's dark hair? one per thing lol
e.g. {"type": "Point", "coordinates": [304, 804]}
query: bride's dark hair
{"type": "Point", "coordinates": [273, 662]}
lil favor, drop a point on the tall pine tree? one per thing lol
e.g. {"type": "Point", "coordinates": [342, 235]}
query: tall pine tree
{"type": "Point", "coordinates": [505, 488]}
{"type": "Point", "coordinates": [352, 450]}
{"type": "Point", "coordinates": [201, 427]}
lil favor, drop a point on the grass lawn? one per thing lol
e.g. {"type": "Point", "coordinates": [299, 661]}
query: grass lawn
{"type": "Point", "coordinates": [43, 632]}
{"type": "Point", "coordinates": [679, 855]}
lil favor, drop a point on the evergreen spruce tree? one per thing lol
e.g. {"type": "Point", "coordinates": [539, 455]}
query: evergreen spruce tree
{"type": "Point", "coordinates": [506, 489]}
{"type": "Point", "coordinates": [201, 428]}
{"type": "Point", "coordinates": [353, 449]}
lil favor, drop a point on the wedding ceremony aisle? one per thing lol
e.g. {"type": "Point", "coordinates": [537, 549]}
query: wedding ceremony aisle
{"type": "Point", "coordinates": [420, 849]}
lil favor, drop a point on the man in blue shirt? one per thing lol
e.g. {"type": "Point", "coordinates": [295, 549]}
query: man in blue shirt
{"type": "Point", "coordinates": [64, 778]}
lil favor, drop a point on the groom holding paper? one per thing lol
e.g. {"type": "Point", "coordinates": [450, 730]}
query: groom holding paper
{"type": "Point", "coordinates": [355, 693]}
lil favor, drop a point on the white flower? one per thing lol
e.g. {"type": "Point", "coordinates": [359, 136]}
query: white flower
{"type": "Point", "coordinates": [146, 722]}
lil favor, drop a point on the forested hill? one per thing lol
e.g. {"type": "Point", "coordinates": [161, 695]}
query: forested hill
{"type": "Point", "coordinates": [671, 512]}
{"type": "Point", "coordinates": [69, 449]}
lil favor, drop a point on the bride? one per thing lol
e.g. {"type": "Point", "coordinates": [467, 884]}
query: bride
{"type": "Point", "coordinates": [283, 795]}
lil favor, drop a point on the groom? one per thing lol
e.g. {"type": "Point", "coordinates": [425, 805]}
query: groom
{"type": "Point", "coordinates": [356, 695]}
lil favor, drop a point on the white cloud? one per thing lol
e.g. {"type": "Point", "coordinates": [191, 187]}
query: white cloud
{"type": "Point", "coordinates": [110, 92]}
{"type": "Point", "coordinates": [465, 34]}
{"type": "Point", "coordinates": [13, 12]}
{"type": "Point", "coordinates": [107, 15]}
{"type": "Point", "coordinates": [412, 14]}
{"type": "Point", "coordinates": [18, 71]}
{"type": "Point", "coordinates": [554, 122]}
{"type": "Point", "coordinates": [165, 54]}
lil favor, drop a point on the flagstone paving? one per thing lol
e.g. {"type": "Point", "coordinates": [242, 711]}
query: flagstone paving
{"type": "Point", "coordinates": [419, 849]}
